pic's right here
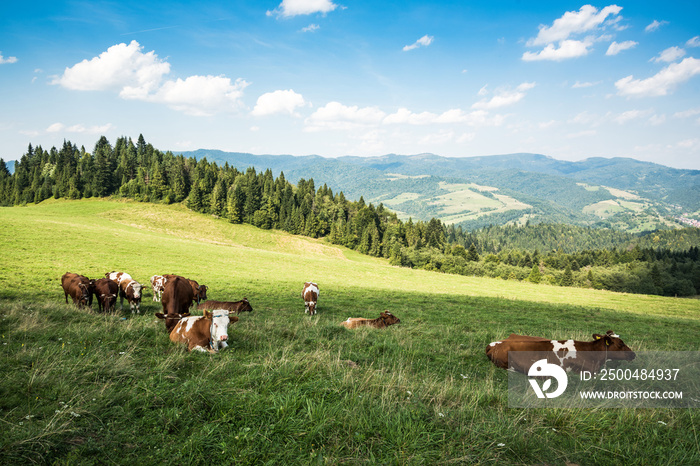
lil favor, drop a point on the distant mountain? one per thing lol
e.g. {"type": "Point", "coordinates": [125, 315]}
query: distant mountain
{"type": "Point", "coordinates": [475, 191]}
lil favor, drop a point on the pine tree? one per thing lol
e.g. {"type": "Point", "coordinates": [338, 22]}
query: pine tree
{"type": "Point", "coordinates": [194, 200]}
{"type": "Point", "coordinates": [218, 199]}
{"type": "Point", "coordinates": [568, 278]}
{"type": "Point", "coordinates": [472, 255]}
{"type": "Point", "coordinates": [535, 275]}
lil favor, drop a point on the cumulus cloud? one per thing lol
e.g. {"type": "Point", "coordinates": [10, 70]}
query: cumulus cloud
{"type": "Point", "coordinates": [504, 98]}
{"type": "Point", "coordinates": [661, 83]}
{"type": "Point", "coordinates": [567, 49]}
{"type": "Point", "coordinates": [556, 38]}
{"type": "Point", "coordinates": [4, 60]}
{"type": "Point", "coordinates": [616, 47]}
{"type": "Point", "coordinates": [694, 42]}
{"type": "Point", "coordinates": [290, 8]}
{"type": "Point", "coordinates": [311, 28]}
{"type": "Point", "coordinates": [284, 102]}
{"type": "Point", "coordinates": [422, 42]}
{"type": "Point", "coordinates": [586, 19]}
{"type": "Point", "coordinates": [655, 25]}
{"type": "Point", "coordinates": [581, 85]}
{"type": "Point", "coordinates": [61, 128]}
{"type": "Point", "coordinates": [669, 55]}
{"type": "Point", "coordinates": [136, 75]}
{"type": "Point", "coordinates": [335, 115]}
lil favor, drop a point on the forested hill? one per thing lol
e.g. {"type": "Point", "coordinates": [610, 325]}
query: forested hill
{"type": "Point", "coordinates": [474, 192]}
{"type": "Point", "coordinates": [663, 263]}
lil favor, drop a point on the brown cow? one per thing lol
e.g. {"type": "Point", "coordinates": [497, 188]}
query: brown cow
{"type": "Point", "coordinates": [204, 333]}
{"type": "Point", "coordinates": [131, 290]}
{"type": "Point", "coordinates": [177, 299]}
{"type": "Point", "coordinates": [571, 355]}
{"type": "Point", "coordinates": [385, 319]}
{"type": "Point", "coordinates": [200, 291]}
{"type": "Point", "coordinates": [231, 306]}
{"type": "Point", "coordinates": [78, 287]}
{"type": "Point", "coordinates": [106, 292]}
{"type": "Point", "coordinates": [310, 296]}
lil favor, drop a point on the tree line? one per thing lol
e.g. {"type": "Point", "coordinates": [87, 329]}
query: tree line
{"type": "Point", "coordinates": [665, 263]}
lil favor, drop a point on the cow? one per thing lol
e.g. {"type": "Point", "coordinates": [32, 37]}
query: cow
{"type": "Point", "coordinates": [118, 277]}
{"type": "Point", "coordinates": [106, 292]}
{"type": "Point", "coordinates": [571, 355]}
{"type": "Point", "coordinates": [208, 332]}
{"type": "Point", "coordinates": [78, 287]}
{"type": "Point", "coordinates": [310, 296]}
{"type": "Point", "coordinates": [231, 306]}
{"type": "Point", "coordinates": [200, 291]}
{"type": "Point", "coordinates": [385, 319]}
{"type": "Point", "coordinates": [177, 299]}
{"type": "Point", "coordinates": [131, 290]}
{"type": "Point", "coordinates": [157, 283]}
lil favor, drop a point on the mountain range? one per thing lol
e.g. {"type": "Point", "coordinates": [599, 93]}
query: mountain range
{"type": "Point", "coordinates": [621, 193]}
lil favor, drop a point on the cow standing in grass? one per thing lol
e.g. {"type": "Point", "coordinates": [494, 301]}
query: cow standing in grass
{"type": "Point", "coordinates": [78, 287]}
{"type": "Point", "coordinates": [310, 295]}
{"type": "Point", "coordinates": [177, 299]}
{"type": "Point", "coordinates": [231, 306]}
{"type": "Point", "coordinates": [106, 292]}
{"type": "Point", "coordinates": [158, 284]}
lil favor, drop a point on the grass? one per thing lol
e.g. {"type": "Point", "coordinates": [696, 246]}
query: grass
{"type": "Point", "coordinates": [82, 387]}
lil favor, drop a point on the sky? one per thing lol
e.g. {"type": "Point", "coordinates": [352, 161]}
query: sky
{"type": "Point", "coordinates": [569, 80]}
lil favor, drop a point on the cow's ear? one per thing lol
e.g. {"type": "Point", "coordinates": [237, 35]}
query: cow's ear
{"type": "Point", "coordinates": [597, 336]}
{"type": "Point", "coordinates": [207, 315]}
{"type": "Point", "coordinates": [232, 319]}
{"type": "Point", "coordinates": [160, 315]}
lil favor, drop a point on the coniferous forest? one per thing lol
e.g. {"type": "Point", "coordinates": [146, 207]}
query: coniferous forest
{"type": "Point", "coordinates": [662, 262]}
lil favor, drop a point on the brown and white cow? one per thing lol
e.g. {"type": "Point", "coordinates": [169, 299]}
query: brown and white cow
{"type": "Point", "coordinates": [131, 290]}
{"type": "Point", "coordinates": [78, 287]}
{"type": "Point", "coordinates": [231, 306]}
{"type": "Point", "coordinates": [177, 299]}
{"type": "Point", "coordinates": [208, 332]}
{"type": "Point", "coordinates": [310, 295]}
{"type": "Point", "coordinates": [158, 283]}
{"type": "Point", "coordinates": [571, 355]}
{"type": "Point", "coordinates": [106, 292]}
{"type": "Point", "coordinates": [118, 277]}
{"type": "Point", "coordinates": [385, 319]}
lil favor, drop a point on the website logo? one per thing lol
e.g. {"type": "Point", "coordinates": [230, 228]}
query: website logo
{"type": "Point", "coordinates": [542, 368]}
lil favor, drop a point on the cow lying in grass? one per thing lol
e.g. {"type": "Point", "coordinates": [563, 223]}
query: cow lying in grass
{"type": "Point", "coordinates": [571, 355]}
{"type": "Point", "coordinates": [208, 332]}
{"type": "Point", "coordinates": [385, 319]}
{"type": "Point", "coordinates": [231, 306]}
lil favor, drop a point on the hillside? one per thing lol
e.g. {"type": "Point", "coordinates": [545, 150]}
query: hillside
{"type": "Point", "coordinates": [620, 193]}
{"type": "Point", "coordinates": [292, 389]}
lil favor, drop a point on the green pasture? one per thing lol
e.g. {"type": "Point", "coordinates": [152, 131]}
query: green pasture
{"type": "Point", "coordinates": [80, 387]}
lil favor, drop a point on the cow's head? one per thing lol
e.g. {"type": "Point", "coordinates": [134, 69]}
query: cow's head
{"type": "Point", "coordinates": [615, 347]}
{"type": "Point", "coordinates": [389, 318]}
{"type": "Point", "coordinates": [245, 306]}
{"type": "Point", "coordinates": [171, 320]}
{"type": "Point", "coordinates": [220, 319]}
{"type": "Point", "coordinates": [85, 294]}
{"type": "Point", "coordinates": [108, 301]}
{"type": "Point", "coordinates": [202, 293]}
{"type": "Point", "coordinates": [311, 307]}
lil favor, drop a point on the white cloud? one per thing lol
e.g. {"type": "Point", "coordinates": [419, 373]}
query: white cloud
{"type": "Point", "coordinates": [422, 42]}
{"type": "Point", "coordinates": [616, 47]}
{"type": "Point", "coordinates": [582, 134]}
{"type": "Point", "coordinates": [122, 67]}
{"type": "Point", "coordinates": [661, 83]}
{"type": "Point", "coordinates": [567, 49]}
{"type": "Point", "coordinates": [285, 102]}
{"type": "Point", "coordinates": [504, 98]}
{"type": "Point", "coordinates": [61, 128]}
{"type": "Point", "coordinates": [689, 143]}
{"type": "Point", "coordinates": [694, 42]}
{"type": "Point", "coordinates": [581, 85]}
{"type": "Point", "coordinates": [4, 60]}
{"type": "Point", "coordinates": [290, 8]}
{"type": "Point", "coordinates": [687, 113]}
{"type": "Point", "coordinates": [630, 115]}
{"type": "Point", "coordinates": [586, 19]}
{"type": "Point", "coordinates": [140, 76]}
{"type": "Point", "coordinates": [657, 119]}
{"type": "Point", "coordinates": [311, 28]}
{"type": "Point", "coordinates": [441, 137]}
{"type": "Point", "coordinates": [655, 25]}
{"type": "Point", "coordinates": [669, 55]}
{"type": "Point", "coordinates": [335, 115]}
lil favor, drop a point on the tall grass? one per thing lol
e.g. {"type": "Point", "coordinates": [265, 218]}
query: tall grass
{"type": "Point", "coordinates": [82, 387]}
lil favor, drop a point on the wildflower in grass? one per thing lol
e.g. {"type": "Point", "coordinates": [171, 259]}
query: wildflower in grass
{"type": "Point", "coordinates": [501, 445]}
{"type": "Point", "coordinates": [441, 415]}
{"type": "Point", "coordinates": [464, 376]}
{"type": "Point", "coordinates": [663, 423]}
{"type": "Point", "coordinates": [74, 414]}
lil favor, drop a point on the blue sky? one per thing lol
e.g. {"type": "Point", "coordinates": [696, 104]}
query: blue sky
{"type": "Point", "coordinates": [566, 79]}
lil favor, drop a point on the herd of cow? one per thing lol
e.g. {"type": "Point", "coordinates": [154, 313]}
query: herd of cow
{"type": "Point", "coordinates": [208, 332]}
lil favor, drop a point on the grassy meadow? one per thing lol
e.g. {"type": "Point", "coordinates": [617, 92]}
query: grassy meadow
{"type": "Point", "coordinates": [78, 387]}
